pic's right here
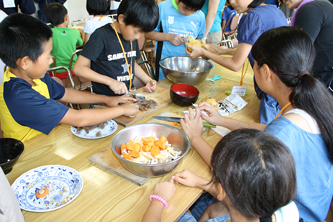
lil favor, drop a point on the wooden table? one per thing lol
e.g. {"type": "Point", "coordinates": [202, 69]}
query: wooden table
{"type": "Point", "coordinates": [108, 197]}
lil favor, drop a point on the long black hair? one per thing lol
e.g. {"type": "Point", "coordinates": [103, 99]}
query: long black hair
{"type": "Point", "coordinates": [256, 170]}
{"type": "Point", "coordinates": [289, 52]}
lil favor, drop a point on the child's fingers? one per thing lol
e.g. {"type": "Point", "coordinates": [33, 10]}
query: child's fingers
{"type": "Point", "coordinates": [171, 180]}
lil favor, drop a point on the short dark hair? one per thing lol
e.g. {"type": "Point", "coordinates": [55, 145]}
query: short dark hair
{"type": "Point", "coordinates": [289, 51]}
{"type": "Point", "coordinates": [195, 5]}
{"type": "Point", "coordinates": [98, 7]}
{"type": "Point", "coordinates": [55, 13]}
{"type": "Point", "coordinates": [140, 13]}
{"type": "Point", "coordinates": [256, 170]}
{"type": "Point", "coordinates": [22, 35]}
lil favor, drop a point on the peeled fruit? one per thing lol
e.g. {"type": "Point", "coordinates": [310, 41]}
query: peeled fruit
{"type": "Point", "coordinates": [191, 41]}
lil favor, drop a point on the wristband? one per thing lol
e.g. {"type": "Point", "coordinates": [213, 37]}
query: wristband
{"type": "Point", "coordinates": [204, 38]}
{"type": "Point", "coordinates": [153, 196]}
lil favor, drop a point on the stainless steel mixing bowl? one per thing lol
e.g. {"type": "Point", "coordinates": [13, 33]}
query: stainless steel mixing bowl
{"type": "Point", "coordinates": [176, 137]}
{"type": "Point", "coordinates": [183, 69]}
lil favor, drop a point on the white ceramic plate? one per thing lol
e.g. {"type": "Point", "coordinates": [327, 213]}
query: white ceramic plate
{"type": "Point", "coordinates": [107, 131]}
{"type": "Point", "coordinates": [64, 184]}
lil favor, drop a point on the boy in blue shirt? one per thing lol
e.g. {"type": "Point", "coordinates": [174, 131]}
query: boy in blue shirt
{"type": "Point", "coordinates": [108, 58]}
{"type": "Point", "coordinates": [178, 19]}
{"type": "Point", "coordinates": [28, 105]}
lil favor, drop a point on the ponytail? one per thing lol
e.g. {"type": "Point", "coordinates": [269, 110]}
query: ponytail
{"type": "Point", "coordinates": [289, 52]}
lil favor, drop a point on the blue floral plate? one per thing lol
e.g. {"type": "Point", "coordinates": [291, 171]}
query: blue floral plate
{"type": "Point", "coordinates": [110, 128]}
{"type": "Point", "coordinates": [64, 185]}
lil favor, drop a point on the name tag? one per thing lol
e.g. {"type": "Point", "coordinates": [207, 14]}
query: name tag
{"type": "Point", "coordinates": [8, 3]}
{"type": "Point", "coordinates": [239, 90]}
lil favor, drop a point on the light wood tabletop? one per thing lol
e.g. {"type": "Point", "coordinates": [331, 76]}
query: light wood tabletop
{"type": "Point", "coordinates": [108, 197]}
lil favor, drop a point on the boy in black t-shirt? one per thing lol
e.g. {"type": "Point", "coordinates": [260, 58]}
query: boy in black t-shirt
{"type": "Point", "coordinates": [108, 58]}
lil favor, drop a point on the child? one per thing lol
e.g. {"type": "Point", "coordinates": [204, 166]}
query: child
{"type": "Point", "coordinates": [226, 18]}
{"type": "Point", "coordinates": [316, 19]}
{"type": "Point", "coordinates": [283, 61]}
{"type": "Point", "coordinates": [260, 18]}
{"type": "Point", "coordinates": [97, 8]}
{"type": "Point", "coordinates": [178, 19]}
{"type": "Point", "coordinates": [213, 12]}
{"type": "Point", "coordinates": [28, 105]}
{"type": "Point", "coordinates": [248, 187]}
{"type": "Point", "coordinates": [108, 60]}
{"type": "Point", "coordinates": [64, 39]}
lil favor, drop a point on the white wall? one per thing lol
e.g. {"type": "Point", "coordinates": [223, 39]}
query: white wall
{"type": "Point", "coordinates": [76, 9]}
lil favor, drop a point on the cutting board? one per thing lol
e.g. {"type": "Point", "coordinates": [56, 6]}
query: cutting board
{"type": "Point", "coordinates": [161, 96]}
{"type": "Point", "coordinates": [107, 160]}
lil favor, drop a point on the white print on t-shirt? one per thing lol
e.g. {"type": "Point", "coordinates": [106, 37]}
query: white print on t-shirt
{"type": "Point", "coordinates": [121, 55]}
{"type": "Point", "coordinates": [195, 25]}
{"type": "Point", "coordinates": [171, 19]}
{"type": "Point", "coordinates": [181, 32]}
{"type": "Point", "coordinates": [123, 78]}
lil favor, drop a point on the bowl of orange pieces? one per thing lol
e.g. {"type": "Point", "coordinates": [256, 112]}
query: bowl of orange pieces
{"type": "Point", "coordinates": [150, 149]}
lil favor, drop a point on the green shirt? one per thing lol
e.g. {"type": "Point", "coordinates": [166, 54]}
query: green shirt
{"type": "Point", "coordinates": [64, 44]}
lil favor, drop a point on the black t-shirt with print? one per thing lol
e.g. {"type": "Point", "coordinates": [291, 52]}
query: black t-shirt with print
{"type": "Point", "coordinates": [107, 57]}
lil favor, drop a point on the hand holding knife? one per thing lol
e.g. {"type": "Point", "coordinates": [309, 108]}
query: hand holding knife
{"type": "Point", "coordinates": [177, 119]}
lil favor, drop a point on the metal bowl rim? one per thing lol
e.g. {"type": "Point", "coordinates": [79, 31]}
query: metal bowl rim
{"type": "Point", "coordinates": [211, 64]}
{"type": "Point", "coordinates": [159, 164]}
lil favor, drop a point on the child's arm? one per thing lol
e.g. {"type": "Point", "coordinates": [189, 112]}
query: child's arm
{"type": "Point", "coordinates": [88, 117]}
{"type": "Point", "coordinates": [166, 190]}
{"type": "Point", "coordinates": [190, 179]}
{"type": "Point", "coordinates": [140, 74]}
{"type": "Point", "coordinates": [233, 63]}
{"type": "Point", "coordinates": [215, 118]}
{"type": "Point", "coordinates": [160, 36]}
{"type": "Point", "coordinates": [82, 69]}
{"type": "Point", "coordinates": [81, 97]}
{"type": "Point", "coordinates": [192, 126]}
{"type": "Point", "coordinates": [212, 10]}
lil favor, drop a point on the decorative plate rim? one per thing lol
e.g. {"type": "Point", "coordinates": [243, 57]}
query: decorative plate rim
{"type": "Point", "coordinates": [73, 128]}
{"type": "Point", "coordinates": [48, 166]}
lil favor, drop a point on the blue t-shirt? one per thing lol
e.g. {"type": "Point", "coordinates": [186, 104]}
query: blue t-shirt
{"type": "Point", "coordinates": [314, 171]}
{"type": "Point", "coordinates": [172, 21]}
{"type": "Point", "coordinates": [218, 17]}
{"type": "Point", "coordinates": [251, 26]}
{"type": "Point", "coordinates": [227, 17]}
{"type": "Point", "coordinates": [257, 21]}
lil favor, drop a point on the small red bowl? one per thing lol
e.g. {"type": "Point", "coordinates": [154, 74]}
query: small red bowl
{"type": "Point", "coordinates": [183, 94]}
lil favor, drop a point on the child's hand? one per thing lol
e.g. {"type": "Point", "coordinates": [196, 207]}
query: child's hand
{"type": "Point", "coordinates": [118, 87]}
{"type": "Point", "coordinates": [117, 100]}
{"type": "Point", "coordinates": [192, 124]}
{"type": "Point", "coordinates": [213, 116]}
{"type": "Point", "coordinates": [196, 51]}
{"type": "Point", "coordinates": [188, 178]}
{"type": "Point", "coordinates": [176, 39]}
{"type": "Point", "coordinates": [130, 109]}
{"type": "Point", "coordinates": [165, 189]}
{"type": "Point", "coordinates": [150, 87]}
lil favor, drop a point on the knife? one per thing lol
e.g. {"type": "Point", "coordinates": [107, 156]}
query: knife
{"type": "Point", "coordinates": [177, 119]}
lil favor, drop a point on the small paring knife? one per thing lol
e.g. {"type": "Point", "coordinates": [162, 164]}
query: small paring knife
{"type": "Point", "coordinates": [177, 119]}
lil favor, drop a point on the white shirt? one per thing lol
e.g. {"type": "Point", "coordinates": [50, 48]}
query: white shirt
{"type": "Point", "coordinates": [95, 23]}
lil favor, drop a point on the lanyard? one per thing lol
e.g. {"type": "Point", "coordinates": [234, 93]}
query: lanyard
{"type": "Point", "coordinates": [243, 73]}
{"type": "Point", "coordinates": [288, 104]}
{"type": "Point", "coordinates": [122, 47]}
